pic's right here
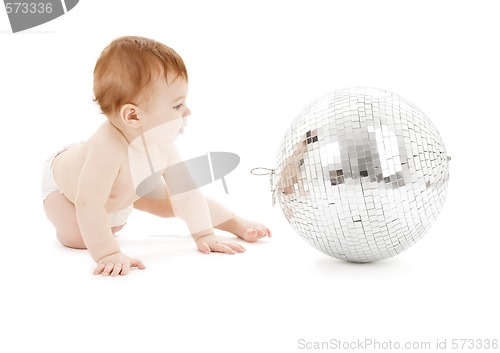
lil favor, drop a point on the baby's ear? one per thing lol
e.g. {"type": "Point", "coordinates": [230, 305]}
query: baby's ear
{"type": "Point", "coordinates": [128, 115]}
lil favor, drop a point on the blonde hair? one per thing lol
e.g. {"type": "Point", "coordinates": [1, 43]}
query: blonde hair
{"type": "Point", "coordinates": [128, 67]}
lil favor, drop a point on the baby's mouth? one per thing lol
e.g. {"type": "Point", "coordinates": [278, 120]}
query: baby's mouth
{"type": "Point", "coordinates": [181, 131]}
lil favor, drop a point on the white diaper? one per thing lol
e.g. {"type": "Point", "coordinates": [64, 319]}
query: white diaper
{"type": "Point", "coordinates": [117, 218]}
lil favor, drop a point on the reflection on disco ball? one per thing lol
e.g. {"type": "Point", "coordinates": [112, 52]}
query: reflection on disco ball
{"type": "Point", "coordinates": [361, 174]}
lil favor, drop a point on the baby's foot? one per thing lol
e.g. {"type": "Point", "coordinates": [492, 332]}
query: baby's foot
{"type": "Point", "coordinates": [248, 230]}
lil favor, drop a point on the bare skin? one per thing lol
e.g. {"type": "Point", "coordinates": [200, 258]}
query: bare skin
{"type": "Point", "coordinates": [62, 213]}
{"type": "Point", "coordinates": [95, 180]}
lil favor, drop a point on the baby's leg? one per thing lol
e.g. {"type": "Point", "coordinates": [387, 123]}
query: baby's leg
{"type": "Point", "coordinates": [62, 213]}
{"type": "Point", "coordinates": [246, 229]}
{"type": "Point", "coordinates": [221, 217]}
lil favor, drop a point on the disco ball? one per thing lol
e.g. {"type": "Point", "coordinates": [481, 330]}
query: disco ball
{"type": "Point", "coordinates": [361, 174]}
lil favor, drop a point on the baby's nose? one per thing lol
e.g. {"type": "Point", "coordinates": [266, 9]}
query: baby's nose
{"type": "Point", "coordinates": [187, 113]}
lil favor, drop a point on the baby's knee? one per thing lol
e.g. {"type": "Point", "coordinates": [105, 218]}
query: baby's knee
{"type": "Point", "coordinates": [74, 241]}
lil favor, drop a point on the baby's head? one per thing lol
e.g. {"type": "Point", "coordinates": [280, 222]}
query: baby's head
{"type": "Point", "coordinates": [128, 70]}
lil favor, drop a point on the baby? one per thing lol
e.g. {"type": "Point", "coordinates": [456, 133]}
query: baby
{"type": "Point", "coordinates": [89, 189]}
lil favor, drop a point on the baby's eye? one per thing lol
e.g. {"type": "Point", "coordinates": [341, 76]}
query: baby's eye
{"type": "Point", "coordinates": [177, 107]}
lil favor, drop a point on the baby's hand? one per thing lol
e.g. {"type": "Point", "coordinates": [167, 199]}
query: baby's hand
{"type": "Point", "coordinates": [208, 243]}
{"type": "Point", "coordinates": [117, 264]}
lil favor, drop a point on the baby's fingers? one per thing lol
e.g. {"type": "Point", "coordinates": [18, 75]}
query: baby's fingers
{"type": "Point", "coordinates": [223, 247]}
{"type": "Point", "coordinates": [99, 269]}
{"type": "Point", "coordinates": [203, 247]}
{"type": "Point", "coordinates": [107, 269]}
{"type": "Point", "coordinates": [104, 269]}
{"type": "Point", "coordinates": [125, 270]}
{"type": "Point", "coordinates": [235, 247]}
{"type": "Point", "coordinates": [133, 263]}
{"type": "Point", "coordinates": [116, 269]}
{"type": "Point", "coordinates": [137, 263]}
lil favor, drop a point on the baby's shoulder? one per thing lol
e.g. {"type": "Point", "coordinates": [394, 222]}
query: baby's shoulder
{"type": "Point", "coordinates": [107, 141]}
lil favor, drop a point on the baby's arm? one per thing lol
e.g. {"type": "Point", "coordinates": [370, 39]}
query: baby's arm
{"type": "Point", "coordinates": [97, 176]}
{"type": "Point", "coordinates": [192, 207]}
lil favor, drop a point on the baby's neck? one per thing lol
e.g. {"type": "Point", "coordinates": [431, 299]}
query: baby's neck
{"type": "Point", "coordinates": [128, 133]}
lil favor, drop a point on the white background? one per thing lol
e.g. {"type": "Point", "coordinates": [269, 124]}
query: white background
{"type": "Point", "coordinates": [253, 66]}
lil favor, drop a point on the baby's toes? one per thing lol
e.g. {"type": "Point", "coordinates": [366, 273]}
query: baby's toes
{"type": "Point", "coordinates": [262, 232]}
{"type": "Point", "coordinates": [252, 235]}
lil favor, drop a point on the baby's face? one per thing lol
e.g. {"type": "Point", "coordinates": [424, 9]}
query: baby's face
{"type": "Point", "coordinates": [167, 108]}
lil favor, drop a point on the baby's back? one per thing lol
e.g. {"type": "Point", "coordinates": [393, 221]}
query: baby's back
{"type": "Point", "coordinates": [68, 165]}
